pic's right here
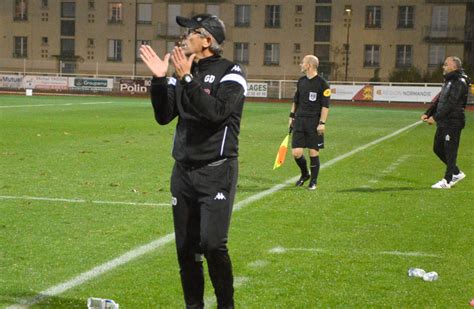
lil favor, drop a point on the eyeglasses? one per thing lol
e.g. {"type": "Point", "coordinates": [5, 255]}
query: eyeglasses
{"type": "Point", "coordinates": [193, 31]}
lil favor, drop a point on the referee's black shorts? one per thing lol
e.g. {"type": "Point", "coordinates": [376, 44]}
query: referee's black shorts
{"type": "Point", "coordinates": [305, 134]}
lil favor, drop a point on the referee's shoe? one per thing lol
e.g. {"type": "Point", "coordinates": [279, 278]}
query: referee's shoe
{"type": "Point", "coordinates": [302, 180]}
{"type": "Point", "coordinates": [312, 184]}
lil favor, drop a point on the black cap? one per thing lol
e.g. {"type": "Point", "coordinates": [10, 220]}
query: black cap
{"type": "Point", "coordinates": [207, 21]}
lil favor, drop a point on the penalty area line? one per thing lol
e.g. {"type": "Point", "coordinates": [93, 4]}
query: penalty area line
{"type": "Point", "coordinates": [141, 250]}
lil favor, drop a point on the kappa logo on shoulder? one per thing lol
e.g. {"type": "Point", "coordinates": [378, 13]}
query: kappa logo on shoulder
{"type": "Point", "coordinates": [220, 196]}
{"type": "Point", "coordinates": [236, 68]}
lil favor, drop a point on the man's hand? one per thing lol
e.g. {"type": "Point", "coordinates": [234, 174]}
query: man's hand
{"type": "Point", "coordinates": [320, 129]}
{"type": "Point", "coordinates": [290, 122]}
{"type": "Point", "coordinates": [430, 121]}
{"type": "Point", "coordinates": [181, 63]}
{"type": "Point", "coordinates": [157, 66]}
{"type": "Point", "coordinates": [424, 117]}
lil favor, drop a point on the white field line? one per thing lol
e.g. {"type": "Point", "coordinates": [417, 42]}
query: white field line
{"type": "Point", "coordinates": [386, 171]}
{"type": "Point", "coordinates": [51, 199]}
{"type": "Point", "coordinates": [65, 104]}
{"type": "Point", "coordinates": [137, 252]}
{"type": "Point", "coordinates": [281, 250]}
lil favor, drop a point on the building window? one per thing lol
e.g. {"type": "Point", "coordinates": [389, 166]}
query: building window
{"type": "Point", "coordinates": [90, 18]}
{"type": "Point", "coordinates": [323, 1]}
{"type": "Point", "coordinates": [115, 12]}
{"type": "Point", "coordinates": [322, 33]}
{"type": "Point", "coordinates": [405, 16]}
{"type": "Point", "coordinates": [404, 56]}
{"type": "Point", "coordinates": [144, 13]}
{"type": "Point", "coordinates": [68, 28]}
{"type": "Point", "coordinates": [372, 56]}
{"type": "Point", "coordinates": [439, 21]}
{"type": "Point", "coordinates": [67, 47]}
{"type": "Point", "coordinates": [297, 48]}
{"type": "Point", "coordinates": [68, 9]}
{"type": "Point", "coordinates": [437, 54]}
{"type": "Point", "coordinates": [21, 10]}
{"type": "Point", "coordinates": [44, 16]}
{"type": "Point", "coordinates": [44, 4]}
{"type": "Point", "coordinates": [90, 43]}
{"type": "Point", "coordinates": [21, 47]}
{"type": "Point", "coordinates": [323, 14]}
{"type": "Point", "coordinates": [272, 16]}
{"type": "Point", "coordinates": [242, 16]}
{"type": "Point", "coordinates": [115, 50]}
{"type": "Point", "coordinates": [373, 16]}
{"type": "Point", "coordinates": [139, 44]}
{"type": "Point", "coordinates": [241, 53]}
{"type": "Point", "coordinates": [272, 54]}
{"type": "Point", "coordinates": [298, 9]}
{"type": "Point", "coordinates": [322, 52]}
{"type": "Point", "coordinates": [91, 4]}
{"type": "Point", "coordinates": [44, 41]}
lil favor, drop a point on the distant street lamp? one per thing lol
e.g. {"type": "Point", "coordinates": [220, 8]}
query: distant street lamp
{"type": "Point", "coordinates": [347, 23]}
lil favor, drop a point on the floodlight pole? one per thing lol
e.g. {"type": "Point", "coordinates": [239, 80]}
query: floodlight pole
{"type": "Point", "coordinates": [347, 20]}
{"type": "Point", "coordinates": [136, 34]}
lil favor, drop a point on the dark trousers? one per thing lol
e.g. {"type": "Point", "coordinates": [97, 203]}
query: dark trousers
{"type": "Point", "coordinates": [445, 146]}
{"type": "Point", "coordinates": [202, 206]}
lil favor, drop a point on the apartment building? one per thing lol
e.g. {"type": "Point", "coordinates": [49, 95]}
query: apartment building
{"type": "Point", "coordinates": [354, 39]}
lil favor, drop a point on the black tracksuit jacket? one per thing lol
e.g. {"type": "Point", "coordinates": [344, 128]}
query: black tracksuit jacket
{"type": "Point", "coordinates": [448, 109]}
{"type": "Point", "coordinates": [209, 110]}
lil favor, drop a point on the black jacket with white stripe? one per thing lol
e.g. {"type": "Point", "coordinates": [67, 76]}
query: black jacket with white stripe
{"type": "Point", "coordinates": [209, 110]}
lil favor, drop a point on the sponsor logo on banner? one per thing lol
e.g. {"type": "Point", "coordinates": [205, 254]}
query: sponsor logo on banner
{"type": "Point", "coordinates": [100, 84]}
{"type": "Point", "coordinates": [135, 85]}
{"type": "Point", "coordinates": [257, 90]}
{"type": "Point", "coordinates": [365, 94]}
{"type": "Point", "coordinates": [11, 81]}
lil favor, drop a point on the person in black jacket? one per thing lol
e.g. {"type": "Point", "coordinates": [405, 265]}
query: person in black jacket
{"type": "Point", "coordinates": [308, 116]}
{"type": "Point", "coordinates": [448, 113]}
{"type": "Point", "coordinates": [206, 95]}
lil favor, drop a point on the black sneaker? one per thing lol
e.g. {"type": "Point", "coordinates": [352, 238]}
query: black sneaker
{"type": "Point", "coordinates": [302, 180]}
{"type": "Point", "coordinates": [312, 184]}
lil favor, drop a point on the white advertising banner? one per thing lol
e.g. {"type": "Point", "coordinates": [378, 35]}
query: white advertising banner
{"type": "Point", "coordinates": [257, 90]}
{"type": "Point", "coordinates": [84, 83]}
{"type": "Point", "coordinates": [345, 92]}
{"type": "Point", "coordinates": [405, 93]}
{"type": "Point", "coordinates": [45, 82]}
{"type": "Point", "coordinates": [11, 81]}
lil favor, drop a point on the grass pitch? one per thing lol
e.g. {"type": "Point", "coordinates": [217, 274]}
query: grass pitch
{"type": "Point", "coordinates": [84, 180]}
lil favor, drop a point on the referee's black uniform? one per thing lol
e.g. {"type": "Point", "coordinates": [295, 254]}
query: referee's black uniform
{"type": "Point", "coordinates": [310, 97]}
{"type": "Point", "coordinates": [204, 177]}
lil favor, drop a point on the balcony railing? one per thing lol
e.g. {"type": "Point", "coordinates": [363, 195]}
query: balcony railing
{"type": "Point", "coordinates": [449, 34]}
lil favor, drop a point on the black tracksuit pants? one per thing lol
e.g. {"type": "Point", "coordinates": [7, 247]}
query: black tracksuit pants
{"type": "Point", "coordinates": [445, 146]}
{"type": "Point", "coordinates": [202, 206]}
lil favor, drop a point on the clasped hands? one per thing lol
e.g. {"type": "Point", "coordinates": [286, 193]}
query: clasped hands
{"type": "Point", "coordinates": [159, 67]}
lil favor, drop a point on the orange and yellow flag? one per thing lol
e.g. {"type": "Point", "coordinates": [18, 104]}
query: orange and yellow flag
{"type": "Point", "coordinates": [281, 155]}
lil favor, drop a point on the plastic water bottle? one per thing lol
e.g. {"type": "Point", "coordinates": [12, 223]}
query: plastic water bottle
{"type": "Point", "coordinates": [416, 272]}
{"type": "Point", "coordinates": [431, 276]}
{"type": "Point", "coordinates": [101, 303]}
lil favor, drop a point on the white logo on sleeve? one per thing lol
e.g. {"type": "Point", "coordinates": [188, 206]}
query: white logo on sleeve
{"type": "Point", "coordinates": [174, 201]}
{"type": "Point", "coordinates": [313, 96]}
{"type": "Point", "coordinates": [447, 138]}
{"type": "Point", "coordinates": [236, 68]}
{"type": "Point", "coordinates": [220, 196]}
